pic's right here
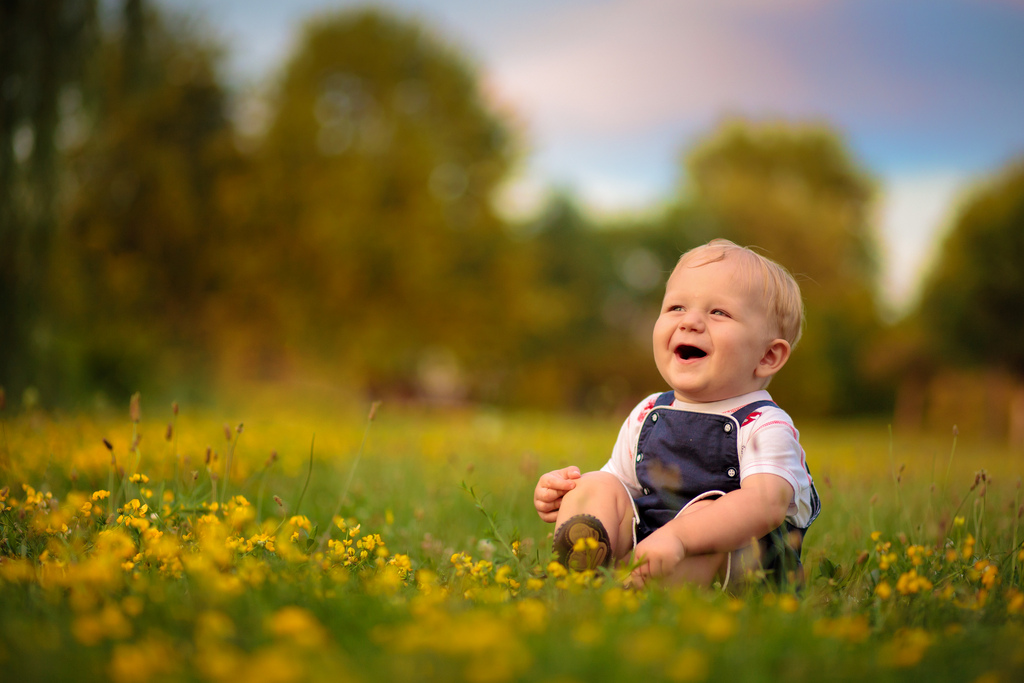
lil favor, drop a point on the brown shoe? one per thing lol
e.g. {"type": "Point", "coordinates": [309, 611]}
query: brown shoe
{"type": "Point", "coordinates": [588, 554]}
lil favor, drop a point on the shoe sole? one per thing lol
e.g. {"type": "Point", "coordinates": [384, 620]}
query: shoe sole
{"type": "Point", "coordinates": [582, 527]}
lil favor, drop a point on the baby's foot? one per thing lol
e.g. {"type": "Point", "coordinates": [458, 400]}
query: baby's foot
{"type": "Point", "coordinates": [582, 543]}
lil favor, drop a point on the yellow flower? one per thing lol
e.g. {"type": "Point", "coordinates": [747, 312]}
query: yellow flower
{"type": "Point", "coordinates": [719, 626]}
{"type": "Point", "coordinates": [556, 570]}
{"type": "Point", "coordinates": [910, 582]}
{"type": "Point", "coordinates": [301, 521]}
{"type": "Point", "coordinates": [907, 648]}
{"type": "Point", "coordinates": [884, 561]}
{"type": "Point", "coordinates": [402, 563]}
{"type": "Point", "coordinates": [533, 614]}
{"type": "Point", "coordinates": [585, 544]}
{"type": "Point", "coordinates": [883, 590]}
{"type": "Point", "coordinates": [1014, 601]}
{"type": "Point", "coordinates": [298, 626]}
{"type": "Point", "coordinates": [788, 603]}
{"type": "Point", "coordinates": [968, 550]}
{"type": "Point", "coordinates": [988, 572]}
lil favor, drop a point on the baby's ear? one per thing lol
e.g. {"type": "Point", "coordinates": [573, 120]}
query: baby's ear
{"type": "Point", "coordinates": [775, 356]}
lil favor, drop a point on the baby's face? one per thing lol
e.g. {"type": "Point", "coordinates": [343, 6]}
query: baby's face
{"type": "Point", "coordinates": [712, 334]}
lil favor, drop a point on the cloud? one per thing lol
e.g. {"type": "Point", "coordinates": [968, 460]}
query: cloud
{"type": "Point", "coordinates": [618, 67]}
{"type": "Point", "coordinates": [915, 212]}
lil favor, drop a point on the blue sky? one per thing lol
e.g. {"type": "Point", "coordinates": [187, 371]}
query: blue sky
{"type": "Point", "coordinates": [929, 94]}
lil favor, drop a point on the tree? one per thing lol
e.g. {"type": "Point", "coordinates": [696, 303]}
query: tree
{"type": "Point", "coordinates": [142, 249]}
{"type": "Point", "coordinates": [973, 296]}
{"type": "Point", "coordinates": [378, 169]}
{"type": "Point", "coordinates": [794, 193]}
{"type": "Point", "coordinates": [44, 46]}
{"type": "Point", "coordinates": [972, 299]}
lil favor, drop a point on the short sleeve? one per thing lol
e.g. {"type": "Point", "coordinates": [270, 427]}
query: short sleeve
{"type": "Point", "coordinates": [772, 446]}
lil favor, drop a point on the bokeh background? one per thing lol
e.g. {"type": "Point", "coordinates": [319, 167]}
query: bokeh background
{"type": "Point", "coordinates": [457, 202]}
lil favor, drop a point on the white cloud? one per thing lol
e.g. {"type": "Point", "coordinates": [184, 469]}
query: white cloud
{"type": "Point", "coordinates": [914, 213]}
{"type": "Point", "coordinates": [617, 67]}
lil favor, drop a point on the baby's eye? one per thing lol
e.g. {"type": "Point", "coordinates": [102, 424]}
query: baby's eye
{"type": "Point", "coordinates": [675, 308]}
{"type": "Point", "coordinates": [719, 311]}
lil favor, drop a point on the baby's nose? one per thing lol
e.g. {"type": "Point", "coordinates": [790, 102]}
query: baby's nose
{"type": "Point", "coordinates": [692, 320]}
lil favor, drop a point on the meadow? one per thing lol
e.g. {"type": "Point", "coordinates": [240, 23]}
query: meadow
{"type": "Point", "coordinates": [271, 540]}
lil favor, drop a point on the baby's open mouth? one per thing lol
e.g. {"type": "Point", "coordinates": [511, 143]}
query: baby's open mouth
{"type": "Point", "coordinates": [685, 352]}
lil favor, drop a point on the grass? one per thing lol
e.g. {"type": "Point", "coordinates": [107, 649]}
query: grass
{"type": "Point", "coordinates": [408, 549]}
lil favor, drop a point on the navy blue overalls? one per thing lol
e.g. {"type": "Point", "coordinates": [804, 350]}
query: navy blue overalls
{"type": "Point", "coordinates": [681, 455]}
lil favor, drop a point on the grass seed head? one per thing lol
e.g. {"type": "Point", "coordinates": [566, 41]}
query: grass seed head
{"type": "Point", "coordinates": [133, 408]}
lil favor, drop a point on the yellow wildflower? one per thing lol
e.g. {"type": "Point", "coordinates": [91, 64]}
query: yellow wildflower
{"type": "Point", "coordinates": [911, 582]}
{"type": "Point", "coordinates": [402, 563]}
{"type": "Point", "coordinates": [297, 625]}
{"type": "Point", "coordinates": [556, 570]}
{"type": "Point", "coordinates": [988, 572]}
{"type": "Point", "coordinates": [907, 648]}
{"type": "Point", "coordinates": [1014, 601]}
{"type": "Point", "coordinates": [968, 550]}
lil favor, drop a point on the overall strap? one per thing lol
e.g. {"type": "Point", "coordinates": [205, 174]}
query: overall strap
{"type": "Point", "coordinates": [665, 399]}
{"type": "Point", "coordinates": [744, 412]}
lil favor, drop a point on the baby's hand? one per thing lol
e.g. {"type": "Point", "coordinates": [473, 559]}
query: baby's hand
{"type": "Point", "coordinates": [659, 555]}
{"type": "Point", "coordinates": [547, 497]}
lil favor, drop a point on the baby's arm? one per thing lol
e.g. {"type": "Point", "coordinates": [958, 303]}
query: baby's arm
{"type": "Point", "coordinates": [720, 526]}
{"type": "Point", "coordinates": [551, 487]}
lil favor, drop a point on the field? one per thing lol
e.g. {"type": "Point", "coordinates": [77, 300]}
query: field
{"type": "Point", "coordinates": [252, 543]}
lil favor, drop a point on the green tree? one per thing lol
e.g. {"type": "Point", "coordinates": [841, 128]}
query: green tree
{"type": "Point", "coordinates": [378, 168]}
{"type": "Point", "coordinates": [971, 301]}
{"type": "Point", "coordinates": [143, 247]}
{"type": "Point", "coordinates": [794, 193]}
{"type": "Point", "coordinates": [44, 46]}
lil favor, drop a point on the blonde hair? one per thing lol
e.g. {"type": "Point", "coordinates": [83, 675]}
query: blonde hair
{"type": "Point", "coordinates": [783, 301]}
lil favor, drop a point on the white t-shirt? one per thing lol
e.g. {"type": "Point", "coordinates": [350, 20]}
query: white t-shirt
{"type": "Point", "coordinates": [768, 444]}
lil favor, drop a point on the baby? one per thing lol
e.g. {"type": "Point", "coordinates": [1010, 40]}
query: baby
{"type": "Point", "coordinates": [708, 479]}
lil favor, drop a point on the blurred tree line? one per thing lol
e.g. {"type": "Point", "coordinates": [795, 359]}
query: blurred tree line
{"type": "Point", "coordinates": [158, 232]}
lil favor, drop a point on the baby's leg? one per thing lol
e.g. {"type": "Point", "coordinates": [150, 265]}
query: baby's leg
{"type": "Point", "coordinates": [700, 569]}
{"type": "Point", "coordinates": [603, 496]}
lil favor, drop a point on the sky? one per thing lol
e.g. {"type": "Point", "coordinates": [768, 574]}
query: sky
{"type": "Point", "coordinates": [610, 94]}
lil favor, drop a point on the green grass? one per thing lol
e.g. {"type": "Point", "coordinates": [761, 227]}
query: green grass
{"type": "Point", "coordinates": [252, 591]}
